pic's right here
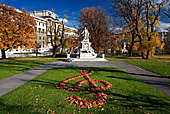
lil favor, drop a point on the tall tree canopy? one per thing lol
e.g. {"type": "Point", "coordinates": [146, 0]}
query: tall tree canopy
{"type": "Point", "coordinates": [58, 38]}
{"type": "Point", "coordinates": [140, 17]}
{"type": "Point", "coordinates": [16, 29]}
{"type": "Point", "coordinates": [97, 22]}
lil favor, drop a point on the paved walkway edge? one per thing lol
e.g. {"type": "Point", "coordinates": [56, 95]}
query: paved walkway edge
{"type": "Point", "coordinates": [155, 80]}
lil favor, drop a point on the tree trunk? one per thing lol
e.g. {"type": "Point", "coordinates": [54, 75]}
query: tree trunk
{"type": "Point", "coordinates": [143, 55]}
{"type": "Point", "coordinates": [149, 39]}
{"type": "Point", "coordinates": [147, 56]}
{"type": "Point", "coordinates": [3, 54]}
{"type": "Point", "coordinates": [54, 51]}
{"type": "Point", "coordinates": [132, 44]}
{"type": "Point", "coordinates": [62, 40]}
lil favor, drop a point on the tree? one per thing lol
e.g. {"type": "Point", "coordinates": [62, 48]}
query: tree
{"type": "Point", "coordinates": [96, 21]}
{"type": "Point", "coordinates": [58, 40]}
{"type": "Point", "coordinates": [168, 11]}
{"type": "Point", "coordinates": [153, 10]}
{"type": "Point", "coordinates": [130, 12]}
{"type": "Point", "coordinates": [57, 35]}
{"type": "Point", "coordinates": [139, 18]}
{"type": "Point", "coordinates": [115, 42]}
{"type": "Point", "coordinates": [16, 29]}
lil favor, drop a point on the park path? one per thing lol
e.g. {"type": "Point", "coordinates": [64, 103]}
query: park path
{"type": "Point", "coordinates": [155, 80]}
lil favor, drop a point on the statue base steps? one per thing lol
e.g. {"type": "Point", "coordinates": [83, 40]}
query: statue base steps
{"type": "Point", "coordinates": [85, 59]}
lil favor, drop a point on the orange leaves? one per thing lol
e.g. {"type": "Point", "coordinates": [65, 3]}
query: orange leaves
{"type": "Point", "coordinates": [1, 45]}
{"type": "Point", "coordinates": [96, 21]}
{"type": "Point", "coordinates": [1, 35]}
{"type": "Point", "coordinates": [16, 27]}
{"type": "Point", "coordinates": [65, 16]}
{"type": "Point", "coordinates": [164, 6]}
{"type": "Point", "coordinates": [122, 36]}
{"type": "Point", "coordinates": [161, 45]}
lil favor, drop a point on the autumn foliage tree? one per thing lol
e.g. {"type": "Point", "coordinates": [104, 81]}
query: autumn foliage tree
{"type": "Point", "coordinates": [167, 13]}
{"type": "Point", "coordinates": [140, 17]}
{"type": "Point", "coordinates": [16, 29]}
{"type": "Point", "coordinates": [96, 21]}
{"type": "Point", "coordinates": [57, 37]}
{"type": "Point", "coordinates": [129, 11]}
{"type": "Point", "coordinates": [153, 10]}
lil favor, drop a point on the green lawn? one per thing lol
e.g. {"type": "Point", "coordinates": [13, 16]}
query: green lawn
{"type": "Point", "coordinates": [13, 66]}
{"type": "Point", "coordinates": [127, 95]}
{"type": "Point", "coordinates": [157, 64]}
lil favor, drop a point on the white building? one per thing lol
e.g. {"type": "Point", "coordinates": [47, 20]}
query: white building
{"type": "Point", "coordinates": [164, 37]}
{"type": "Point", "coordinates": [45, 20]}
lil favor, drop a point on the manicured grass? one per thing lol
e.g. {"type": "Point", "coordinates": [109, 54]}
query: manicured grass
{"type": "Point", "coordinates": [158, 64]}
{"type": "Point", "coordinates": [13, 66]}
{"type": "Point", "coordinates": [127, 95]}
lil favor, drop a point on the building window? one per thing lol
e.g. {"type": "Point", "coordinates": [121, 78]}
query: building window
{"type": "Point", "coordinates": [35, 29]}
{"type": "Point", "coordinates": [40, 37]}
{"type": "Point", "coordinates": [43, 31]}
{"type": "Point", "coordinates": [43, 38]}
{"type": "Point", "coordinates": [39, 24]}
{"type": "Point", "coordinates": [39, 30]}
{"type": "Point", "coordinates": [43, 44]}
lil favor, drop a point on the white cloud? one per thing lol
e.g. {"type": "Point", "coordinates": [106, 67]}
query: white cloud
{"type": "Point", "coordinates": [72, 23]}
{"type": "Point", "coordinates": [64, 11]}
{"type": "Point", "coordinates": [163, 26]}
{"type": "Point", "coordinates": [64, 20]}
{"type": "Point", "coordinates": [72, 17]}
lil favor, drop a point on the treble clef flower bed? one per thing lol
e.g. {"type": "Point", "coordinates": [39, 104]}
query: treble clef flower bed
{"type": "Point", "coordinates": [98, 90]}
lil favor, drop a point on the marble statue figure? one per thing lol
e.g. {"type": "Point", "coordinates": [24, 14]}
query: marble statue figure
{"type": "Point", "coordinates": [86, 34]}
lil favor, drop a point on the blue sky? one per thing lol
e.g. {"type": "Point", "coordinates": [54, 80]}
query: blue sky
{"type": "Point", "coordinates": [69, 7]}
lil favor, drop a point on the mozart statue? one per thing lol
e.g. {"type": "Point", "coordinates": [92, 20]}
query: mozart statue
{"type": "Point", "coordinates": [86, 34]}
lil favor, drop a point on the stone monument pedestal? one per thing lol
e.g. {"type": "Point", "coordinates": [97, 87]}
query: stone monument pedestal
{"type": "Point", "coordinates": [86, 52]}
{"type": "Point", "coordinates": [86, 59]}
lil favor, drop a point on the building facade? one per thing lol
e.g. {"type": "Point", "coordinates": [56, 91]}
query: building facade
{"type": "Point", "coordinates": [167, 48]}
{"type": "Point", "coordinates": [46, 23]}
{"type": "Point", "coordinates": [165, 38]}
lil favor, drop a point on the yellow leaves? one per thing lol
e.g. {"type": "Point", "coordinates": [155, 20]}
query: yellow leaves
{"type": "Point", "coordinates": [16, 28]}
{"type": "Point", "coordinates": [1, 35]}
{"type": "Point", "coordinates": [1, 45]}
{"type": "Point", "coordinates": [102, 109]}
{"type": "Point", "coordinates": [65, 16]}
{"type": "Point", "coordinates": [164, 5]}
{"type": "Point", "coordinates": [122, 36]}
{"type": "Point", "coordinates": [162, 45]}
{"type": "Point", "coordinates": [52, 10]}
{"type": "Point", "coordinates": [140, 25]}
{"type": "Point", "coordinates": [158, 21]}
{"type": "Point", "coordinates": [125, 29]}
{"type": "Point", "coordinates": [156, 9]}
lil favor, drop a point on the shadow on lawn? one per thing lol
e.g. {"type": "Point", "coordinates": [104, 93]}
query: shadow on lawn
{"type": "Point", "coordinates": [51, 84]}
{"type": "Point", "coordinates": [134, 101]}
{"type": "Point", "coordinates": [125, 78]}
{"type": "Point", "coordinates": [139, 101]}
{"type": "Point", "coordinates": [19, 65]}
{"type": "Point", "coordinates": [163, 59]}
{"type": "Point", "coordinates": [108, 70]}
{"type": "Point", "coordinates": [20, 108]}
{"type": "Point", "coordinates": [157, 76]}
